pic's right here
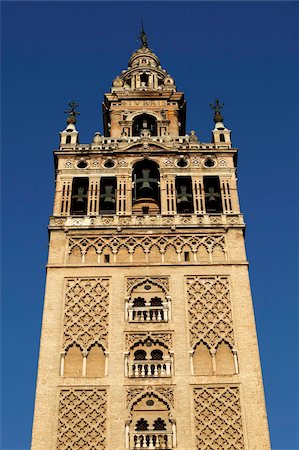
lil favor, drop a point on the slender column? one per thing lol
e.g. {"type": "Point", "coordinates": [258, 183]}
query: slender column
{"type": "Point", "coordinates": [106, 363]}
{"type": "Point", "coordinates": [62, 356]}
{"type": "Point", "coordinates": [84, 362]}
{"type": "Point", "coordinates": [127, 435]}
{"type": "Point", "coordinates": [173, 427]}
{"type": "Point", "coordinates": [93, 196]}
{"type": "Point", "coordinates": [191, 352]}
{"type": "Point", "coordinates": [213, 353]}
{"type": "Point", "coordinates": [236, 362]}
{"type": "Point", "coordinates": [126, 354]}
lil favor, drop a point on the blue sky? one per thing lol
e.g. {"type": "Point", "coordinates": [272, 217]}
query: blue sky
{"type": "Point", "coordinates": [245, 53]}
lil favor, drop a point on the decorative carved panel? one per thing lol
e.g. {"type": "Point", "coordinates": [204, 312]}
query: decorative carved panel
{"type": "Point", "coordinates": [86, 312]}
{"type": "Point", "coordinates": [164, 392]}
{"type": "Point", "coordinates": [210, 318]}
{"type": "Point", "coordinates": [162, 282]}
{"type": "Point", "coordinates": [204, 246]}
{"type": "Point", "coordinates": [82, 419]}
{"type": "Point", "coordinates": [163, 338]}
{"type": "Point", "coordinates": [218, 418]}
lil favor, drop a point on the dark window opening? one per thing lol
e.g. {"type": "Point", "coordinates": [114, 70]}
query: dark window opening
{"type": "Point", "coordinates": [159, 424]}
{"type": "Point", "coordinates": [144, 122]}
{"type": "Point", "coordinates": [144, 79]}
{"type": "Point", "coordinates": [82, 165]}
{"type": "Point", "coordinates": [141, 425]}
{"type": "Point", "coordinates": [156, 301]}
{"type": "Point", "coordinates": [68, 139]}
{"type": "Point", "coordinates": [79, 196]}
{"type": "Point", "coordinates": [157, 355]}
{"type": "Point", "coordinates": [139, 302]}
{"type": "Point", "coordinates": [187, 256]}
{"type": "Point", "coordinates": [184, 195]}
{"type": "Point", "coordinates": [209, 163]}
{"type": "Point", "coordinates": [140, 355]}
{"type": "Point", "coordinates": [107, 196]}
{"type": "Point", "coordinates": [109, 163]}
{"type": "Point", "coordinates": [182, 162]}
{"type": "Point", "coordinates": [107, 258]}
{"type": "Point", "coordinates": [212, 194]}
{"type": "Point", "coordinates": [222, 137]}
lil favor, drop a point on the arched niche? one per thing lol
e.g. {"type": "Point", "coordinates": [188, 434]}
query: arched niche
{"type": "Point", "coordinates": [202, 360]}
{"type": "Point", "coordinates": [73, 362]}
{"type": "Point", "coordinates": [95, 364]}
{"type": "Point", "coordinates": [144, 122]}
{"type": "Point", "coordinates": [224, 359]}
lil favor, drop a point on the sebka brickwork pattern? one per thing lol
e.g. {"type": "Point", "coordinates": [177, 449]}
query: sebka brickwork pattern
{"type": "Point", "coordinates": [86, 312]}
{"type": "Point", "coordinates": [82, 419]}
{"type": "Point", "coordinates": [210, 317]}
{"type": "Point", "coordinates": [218, 418]}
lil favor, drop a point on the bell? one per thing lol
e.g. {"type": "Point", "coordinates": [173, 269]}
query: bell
{"type": "Point", "coordinates": [183, 196]}
{"type": "Point", "coordinates": [146, 180]}
{"type": "Point", "coordinates": [212, 195]}
{"type": "Point", "coordinates": [109, 196]}
{"type": "Point", "coordinates": [80, 196]}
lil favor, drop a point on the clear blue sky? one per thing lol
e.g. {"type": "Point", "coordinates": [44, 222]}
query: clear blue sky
{"type": "Point", "coordinates": [245, 54]}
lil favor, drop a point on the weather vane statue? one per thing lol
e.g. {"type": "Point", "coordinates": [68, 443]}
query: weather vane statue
{"type": "Point", "coordinates": [143, 37]}
{"type": "Point", "coordinates": [72, 112]}
{"type": "Point", "coordinates": [217, 107]}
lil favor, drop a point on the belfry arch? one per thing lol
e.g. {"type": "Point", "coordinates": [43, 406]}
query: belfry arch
{"type": "Point", "coordinates": [146, 187]}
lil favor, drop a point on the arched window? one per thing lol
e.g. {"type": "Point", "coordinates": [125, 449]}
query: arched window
{"type": "Point", "coordinates": [79, 196]}
{"type": "Point", "coordinates": [157, 355]}
{"type": "Point", "coordinates": [141, 425]}
{"type": "Point", "coordinates": [212, 194]}
{"type": "Point", "coordinates": [156, 301]}
{"type": "Point", "coordinates": [159, 424]}
{"type": "Point", "coordinates": [146, 191]}
{"type": "Point", "coordinates": [139, 355]}
{"type": "Point", "coordinates": [144, 122]}
{"type": "Point", "coordinates": [68, 139]}
{"type": "Point", "coordinates": [139, 302]}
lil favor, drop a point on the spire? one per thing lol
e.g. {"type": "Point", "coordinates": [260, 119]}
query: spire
{"type": "Point", "coordinates": [143, 37]}
{"type": "Point", "coordinates": [72, 113]}
{"type": "Point", "coordinates": [217, 107]}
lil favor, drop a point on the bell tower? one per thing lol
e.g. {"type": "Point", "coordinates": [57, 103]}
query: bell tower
{"type": "Point", "coordinates": [148, 337]}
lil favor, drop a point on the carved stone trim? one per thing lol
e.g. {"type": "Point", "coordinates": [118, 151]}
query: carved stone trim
{"type": "Point", "coordinates": [132, 338]}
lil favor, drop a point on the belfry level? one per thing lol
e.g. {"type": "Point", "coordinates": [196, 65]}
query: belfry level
{"type": "Point", "coordinates": [148, 336]}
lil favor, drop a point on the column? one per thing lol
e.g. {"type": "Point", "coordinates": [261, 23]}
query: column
{"type": "Point", "coordinates": [93, 196]}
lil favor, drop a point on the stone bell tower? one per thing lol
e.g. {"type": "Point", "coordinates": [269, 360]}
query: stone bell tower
{"type": "Point", "coordinates": [148, 336]}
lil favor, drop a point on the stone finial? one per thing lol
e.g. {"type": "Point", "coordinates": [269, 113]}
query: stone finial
{"type": "Point", "coordinates": [72, 113]}
{"type": "Point", "coordinates": [97, 138]}
{"type": "Point", "coordinates": [217, 107]}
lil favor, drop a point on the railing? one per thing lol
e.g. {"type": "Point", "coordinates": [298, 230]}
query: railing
{"type": "Point", "coordinates": [148, 314]}
{"type": "Point", "coordinates": [161, 368]}
{"type": "Point", "coordinates": [151, 440]}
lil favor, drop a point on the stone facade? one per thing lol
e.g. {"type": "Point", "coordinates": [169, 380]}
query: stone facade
{"type": "Point", "coordinates": [148, 337]}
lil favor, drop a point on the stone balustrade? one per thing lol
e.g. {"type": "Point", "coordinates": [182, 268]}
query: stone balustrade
{"type": "Point", "coordinates": [151, 440]}
{"type": "Point", "coordinates": [161, 368]}
{"type": "Point", "coordinates": [148, 314]}
{"type": "Point", "coordinates": [145, 221]}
